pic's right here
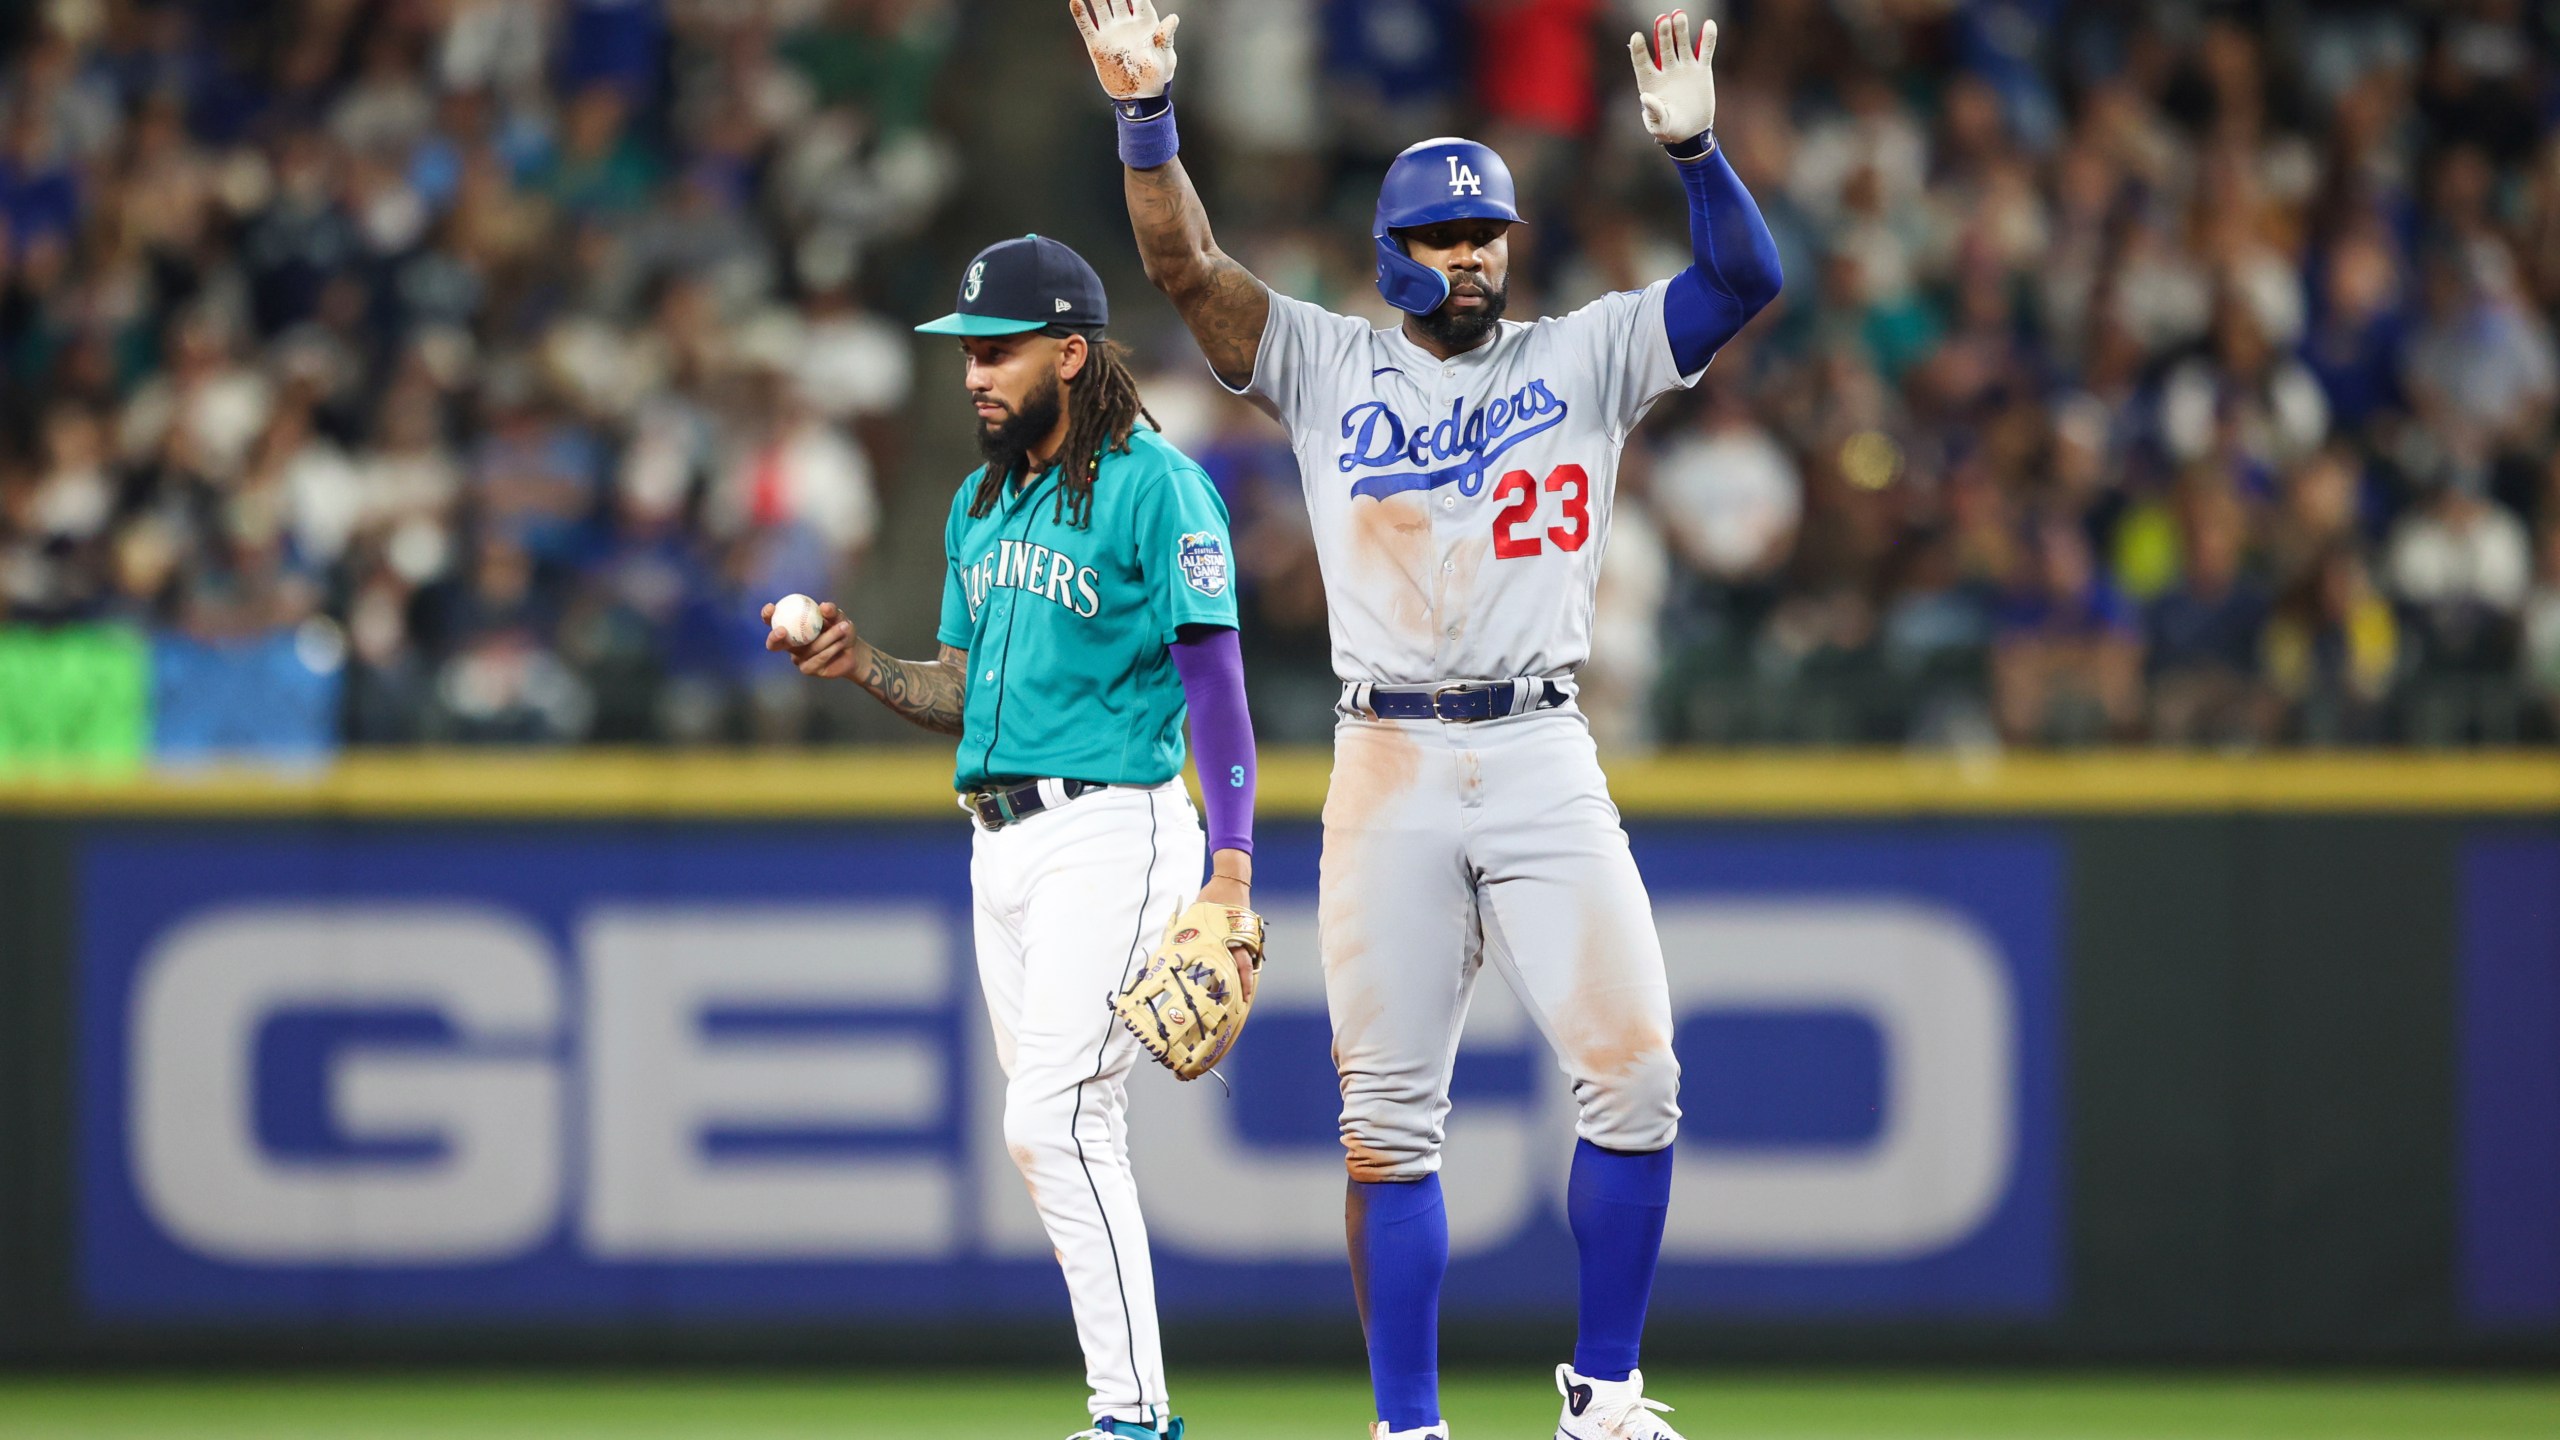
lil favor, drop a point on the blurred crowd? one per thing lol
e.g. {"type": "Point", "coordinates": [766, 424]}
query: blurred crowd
{"type": "Point", "coordinates": [506, 352]}
{"type": "Point", "coordinates": [2148, 370]}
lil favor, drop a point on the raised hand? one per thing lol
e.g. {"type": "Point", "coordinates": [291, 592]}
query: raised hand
{"type": "Point", "coordinates": [1678, 90]}
{"type": "Point", "coordinates": [1132, 51]}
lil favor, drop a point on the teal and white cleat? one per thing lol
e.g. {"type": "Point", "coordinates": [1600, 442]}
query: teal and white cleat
{"type": "Point", "coordinates": [1130, 1430]}
{"type": "Point", "coordinates": [1608, 1409]}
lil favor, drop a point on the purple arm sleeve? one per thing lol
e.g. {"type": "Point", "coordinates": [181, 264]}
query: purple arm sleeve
{"type": "Point", "coordinates": [1212, 668]}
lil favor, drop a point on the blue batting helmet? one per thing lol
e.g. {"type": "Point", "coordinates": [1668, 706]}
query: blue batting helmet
{"type": "Point", "coordinates": [1442, 179]}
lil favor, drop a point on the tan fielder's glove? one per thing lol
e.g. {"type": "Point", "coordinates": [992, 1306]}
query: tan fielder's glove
{"type": "Point", "coordinates": [1188, 1003]}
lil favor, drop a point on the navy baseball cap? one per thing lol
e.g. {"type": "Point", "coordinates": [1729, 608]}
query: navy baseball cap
{"type": "Point", "coordinates": [1026, 284]}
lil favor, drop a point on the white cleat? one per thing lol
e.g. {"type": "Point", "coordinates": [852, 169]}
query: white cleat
{"type": "Point", "coordinates": [1609, 1409]}
{"type": "Point", "coordinates": [1378, 1431]}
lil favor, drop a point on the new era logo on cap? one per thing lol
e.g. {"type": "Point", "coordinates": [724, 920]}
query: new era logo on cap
{"type": "Point", "coordinates": [1026, 284]}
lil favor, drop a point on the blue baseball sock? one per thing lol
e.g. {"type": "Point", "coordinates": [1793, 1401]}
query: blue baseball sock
{"type": "Point", "coordinates": [1616, 1202]}
{"type": "Point", "coordinates": [1399, 1253]}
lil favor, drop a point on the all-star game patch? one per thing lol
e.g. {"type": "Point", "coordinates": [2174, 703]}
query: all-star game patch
{"type": "Point", "coordinates": [1204, 563]}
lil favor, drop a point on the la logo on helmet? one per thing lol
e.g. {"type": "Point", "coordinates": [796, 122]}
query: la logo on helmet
{"type": "Point", "coordinates": [1462, 179]}
{"type": "Point", "coordinates": [977, 274]}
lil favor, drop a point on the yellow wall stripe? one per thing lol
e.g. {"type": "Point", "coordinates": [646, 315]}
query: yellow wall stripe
{"type": "Point", "coordinates": [915, 782]}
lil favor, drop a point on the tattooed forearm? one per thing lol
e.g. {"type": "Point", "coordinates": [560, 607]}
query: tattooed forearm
{"type": "Point", "coordinates": [1220, 300]}
{"type": "Point", "coordinates": [930, 693]}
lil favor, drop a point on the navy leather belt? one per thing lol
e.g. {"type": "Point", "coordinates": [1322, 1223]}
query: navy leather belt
{"type": "Point", "coordinates": [1005, 805]}
{"type": "Point", "coordinates": [1455, 702]}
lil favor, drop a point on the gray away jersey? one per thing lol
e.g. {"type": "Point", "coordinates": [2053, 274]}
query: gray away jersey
{"type": "Point", "coordinates": [1460, 506]}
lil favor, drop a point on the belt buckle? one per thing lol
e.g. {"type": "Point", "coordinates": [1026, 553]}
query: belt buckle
{"type": "Point", "coordinates": [1439, 691]}
{"type": "Point", "coordinates": [988, 807]}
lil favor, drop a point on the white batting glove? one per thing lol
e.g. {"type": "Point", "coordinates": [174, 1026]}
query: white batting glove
{"type": "Point", "coordinates": [1132, 51]}
{"type": "Point", "coordinates": [1679, 92]}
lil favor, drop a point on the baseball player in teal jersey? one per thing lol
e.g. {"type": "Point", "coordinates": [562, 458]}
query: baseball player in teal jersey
{"type": "Point", "coordinates": [1088, 610]}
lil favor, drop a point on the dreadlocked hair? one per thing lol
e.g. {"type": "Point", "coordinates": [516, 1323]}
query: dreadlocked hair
{"type": "Point", "coordinates": [1102, 411]}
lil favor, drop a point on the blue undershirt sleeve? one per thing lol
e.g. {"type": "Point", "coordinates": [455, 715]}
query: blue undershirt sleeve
{"type": "Point", "coordinates": [1733, 272]}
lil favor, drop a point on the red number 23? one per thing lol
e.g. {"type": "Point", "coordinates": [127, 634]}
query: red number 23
{"type": "Point", "coordinates": [1520, 494]}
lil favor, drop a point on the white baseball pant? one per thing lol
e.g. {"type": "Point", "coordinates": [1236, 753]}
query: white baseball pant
{"type": "Point", "coordinates": [1447, 844]}
{"type": "Point", "coordinates": [1068, 903]}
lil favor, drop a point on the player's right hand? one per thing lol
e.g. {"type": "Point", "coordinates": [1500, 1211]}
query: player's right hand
{"type": "Point", "coordinates": [1132, 51]}
{"type": "Point", "coordinates": [830, 656]}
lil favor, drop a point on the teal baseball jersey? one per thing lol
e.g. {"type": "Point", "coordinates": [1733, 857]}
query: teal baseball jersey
{"type": "Point", "coordinates": [1066, 626]}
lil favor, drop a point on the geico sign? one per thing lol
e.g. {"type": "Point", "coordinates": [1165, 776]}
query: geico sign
{"type": "Point", "coordinates": [593, 1093]}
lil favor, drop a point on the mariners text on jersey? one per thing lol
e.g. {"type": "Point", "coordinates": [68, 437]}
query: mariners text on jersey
{"type": "Point", "coordinates": [1050, 574]}
{"type": "Point", "coordinates": [1066, 626]}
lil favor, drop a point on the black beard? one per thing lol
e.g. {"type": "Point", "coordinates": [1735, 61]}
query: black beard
{"type": "Point", "coordinates": [1456, 332]}
{"type": "Point", "coordinates": [1007, 441]}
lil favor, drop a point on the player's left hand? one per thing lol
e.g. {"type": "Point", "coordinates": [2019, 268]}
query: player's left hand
{"type": "Point", "coordinates": [1132, 51]}
{"type": "Point", "coordinates": [1678, 91]}
{"type": "Point", "coordinates": [1189, 1000]}
{"type": "Point", "coordinates": [1236, 894]}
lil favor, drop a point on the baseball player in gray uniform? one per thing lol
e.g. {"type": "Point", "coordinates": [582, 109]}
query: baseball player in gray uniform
{"type": "Point", "coordinates": [1459, 470]}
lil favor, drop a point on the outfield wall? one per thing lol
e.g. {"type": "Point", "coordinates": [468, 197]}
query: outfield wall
{"type": "Point", "coordinates": [2110, 1058]}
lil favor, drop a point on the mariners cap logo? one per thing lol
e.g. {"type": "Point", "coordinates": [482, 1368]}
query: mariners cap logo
{"type": "Point", "coordinates": [1016, 286]}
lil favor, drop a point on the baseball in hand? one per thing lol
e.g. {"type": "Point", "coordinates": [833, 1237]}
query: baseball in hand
{"type": "Point", "coordinates": [796, 620]}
